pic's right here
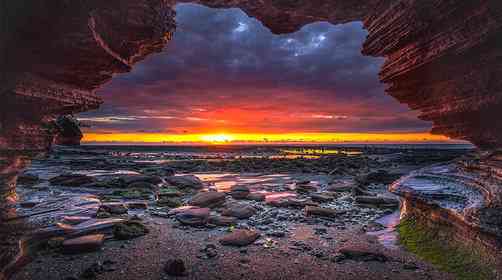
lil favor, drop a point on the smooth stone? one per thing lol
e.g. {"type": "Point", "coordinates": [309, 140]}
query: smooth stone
{"type": "Point", "coordinates": [194, 216]}
{"type": "Point", "coordinates": [256, 196]}
{"type": "Point", "coordinates": [239, 191]}
{"type": "Point", "coordinates": [27, 179]}
{"type": "Point", "coordinates": [239, 237]}
{"type": "Point", "coordinates": [186, 181]}
{"type": "Point", "coordinates": [240, 211]}
{"type": "Point", "coordinates": [208, 199]}
{"type": "Point", "coordinates": [169, 192]}
{"type": "Point", "coordinates": [319, 211]}
{"type": "Point", "coordinates": [87, 243]}
{"type": "Point", "coordinates": [222, 220]}
{"type": "Point", "coordinates": [305, 188]}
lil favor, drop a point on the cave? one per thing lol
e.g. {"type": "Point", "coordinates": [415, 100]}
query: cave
{"type": "Point", "coordinates": [442, 58]}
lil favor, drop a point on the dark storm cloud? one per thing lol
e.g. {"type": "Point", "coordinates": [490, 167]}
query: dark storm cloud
{"type": "Point", "coordinates": [222, 67]}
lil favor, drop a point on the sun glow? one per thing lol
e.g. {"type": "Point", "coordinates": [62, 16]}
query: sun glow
{"type": "Point", "coordinates": [217, 138]}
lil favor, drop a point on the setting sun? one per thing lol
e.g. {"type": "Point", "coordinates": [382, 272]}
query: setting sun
{"type": "Point", "coordinates": [217, 138]}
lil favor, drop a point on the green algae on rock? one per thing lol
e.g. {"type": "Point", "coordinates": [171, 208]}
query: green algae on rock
{"type": "Point", "coordinates": [465, 263]}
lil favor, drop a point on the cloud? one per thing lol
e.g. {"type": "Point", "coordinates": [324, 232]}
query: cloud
{"type": "Point", "coordinates": [224, 70]}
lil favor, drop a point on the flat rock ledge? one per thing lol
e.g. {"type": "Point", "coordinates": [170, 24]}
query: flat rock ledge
{"type": "Point", "coordinates": [460, 199]}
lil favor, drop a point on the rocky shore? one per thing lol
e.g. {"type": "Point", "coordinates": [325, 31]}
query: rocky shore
{"type": "Point", "coordinates": [110, 215]}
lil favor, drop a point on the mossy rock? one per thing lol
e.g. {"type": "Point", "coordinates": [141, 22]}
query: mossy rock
{"type": "Point", "coordinates": [169, 192]}
{"type": "Point", "coordinates": [133, 194]}
{"type": "Point", "coordinates": [465, 263]}
{"type": "Point", "coordinates": [172, 202]}
{"type": "Point", "coordinates": [129, 230]}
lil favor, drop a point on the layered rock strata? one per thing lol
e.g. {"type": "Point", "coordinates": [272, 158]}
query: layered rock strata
{"type": "Point", "coordinates": [462, 198]}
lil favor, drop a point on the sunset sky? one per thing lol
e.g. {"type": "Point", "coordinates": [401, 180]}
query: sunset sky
{"type": "Point", "coordinates": [225, 77]}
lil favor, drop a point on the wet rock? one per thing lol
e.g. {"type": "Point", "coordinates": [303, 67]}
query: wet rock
{"type": "Point", "coordinates": [239, 237]}
{"type": "Point", "coordinates": [131, 179]}
{"type": "Point", "coordinates": [319, 211]}
{"type": "Point", "coordinates": [378, 177]}
{"type": "Point", "coordinates": [71, 180]}
{"type": "Point", "coordinates": [239, 191]}
{"type": "Point", "coordinates": [208, 199]}
{"type": "Point", "coordinates": [362, 253]}
{"type": "Point", "coordinates": [193, 216]}
{"type": "Point", "coordinates": [172, 202]}
{"type": "Point", "coordinates": [129, 230]}
{"type": "Point", "coordinates": [186, 181]}
{"type": "Point", "coordinates": [222, 220]}
{"type": "Point", "coordinates": [175, 267]}
{"type": "Point", "coordinates": [321, 198]}
{"type": "Point", "coordinates": [277, 233]}
{"type": "Point", "coordinates": [256, 196]}
{"type": "Point", "coordinates": [115, 208]}
{"type": "Point", "coordinates": [379, 201]}
{"type": "Point", "coordinates": [239, 210]}
{"type": "Point", "coordinates": [83, 244]}
{"type": "Point", "coordinates": [133, 193]}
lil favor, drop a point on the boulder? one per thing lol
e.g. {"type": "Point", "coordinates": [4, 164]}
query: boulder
{"type": "Point", "coordinates": [239, 191]}
{"type": "Point", "coordinates": [87, 243]}
{"type": "Point", "coordinates": [305, 188]}
{"type": "Point", "coordinates": [186, 181]}
{"type": "Point", "coordinates": [240, 237]}
{"type": "Point", "coordinates": [208, 199]}
{"type": "Point", "coordinates": [193, 216]}
{"type": "Point", "coordinates": [377, 177]}
{"type": "Point", "coordinates": [341, 186]}
{"type": "Point", "coordinates": [239, 210]}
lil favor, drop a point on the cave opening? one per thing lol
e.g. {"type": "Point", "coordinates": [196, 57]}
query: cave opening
{"type": "Point", "coordinates": [263, 125]}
